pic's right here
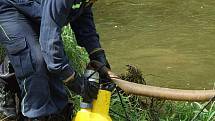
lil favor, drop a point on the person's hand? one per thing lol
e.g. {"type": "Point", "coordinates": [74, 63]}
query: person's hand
{"type": "Point", "coordinates": [99, 55]}
{"type": "Point", "coordinates": [82, 86]}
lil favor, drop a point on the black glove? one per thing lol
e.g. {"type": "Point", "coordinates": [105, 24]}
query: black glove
{"type": "Point", "coordinates": [99, 56]}
{"type": "Point", "coordinates": [82, 86]}
{"type": "Point", "coordinates": [101, 68]}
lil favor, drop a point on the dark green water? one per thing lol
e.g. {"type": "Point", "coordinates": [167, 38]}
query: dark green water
{"type": "Point", "coordinates": [172, 41]}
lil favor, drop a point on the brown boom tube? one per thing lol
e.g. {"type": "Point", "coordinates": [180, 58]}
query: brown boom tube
{"type": "Point", "coordinates": [159, 92]}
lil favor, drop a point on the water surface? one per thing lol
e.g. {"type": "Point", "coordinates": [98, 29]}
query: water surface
{"type": "Point", "coordinates": [171, 41]}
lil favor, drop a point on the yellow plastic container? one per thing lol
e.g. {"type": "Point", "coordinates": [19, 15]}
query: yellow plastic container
{"type": "Point", "coordinates": [100, 110]}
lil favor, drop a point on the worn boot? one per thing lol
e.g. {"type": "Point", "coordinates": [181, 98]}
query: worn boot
{"type": "Point", "coordinates": [7, 103]}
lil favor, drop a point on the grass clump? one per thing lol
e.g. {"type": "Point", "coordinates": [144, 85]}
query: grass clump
{"type": "Point", "coordinates": [77, 55]}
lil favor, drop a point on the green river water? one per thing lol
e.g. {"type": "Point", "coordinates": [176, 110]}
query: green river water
{"type": "Point", "coordinates": [171, 41]}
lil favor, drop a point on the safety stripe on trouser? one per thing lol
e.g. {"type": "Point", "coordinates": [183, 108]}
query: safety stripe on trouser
{"type": "Point", "coordinates": [6, 66]}
{"type": "Point", "coordinates": [23, 100]}
{"type": "Point", "coordinates": [4, 32]}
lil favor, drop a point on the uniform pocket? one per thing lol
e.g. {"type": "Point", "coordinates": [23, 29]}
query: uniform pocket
{"type": "Point", "coordinates": [20, 57]}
